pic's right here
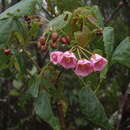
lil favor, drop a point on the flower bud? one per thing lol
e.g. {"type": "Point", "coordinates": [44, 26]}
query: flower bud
{"type": "Point", "coordinates": [42, 40]}
{"type": "Point", "coordinates": [54, 36]}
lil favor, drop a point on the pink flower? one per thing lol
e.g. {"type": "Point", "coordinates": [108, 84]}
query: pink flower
{"type": "Point", "coordinates": [98, 61]}
{"type": "Point", "coordinates": [68, 60]}
{"type": "Point", "coordinates": [84, 67]}
{"type": "Point", "coordinates": [55, 57]}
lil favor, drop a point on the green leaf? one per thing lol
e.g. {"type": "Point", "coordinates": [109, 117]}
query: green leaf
{"type": "Point", "coordinates": [34, 30]}
{"type": "Point", "coordinates": [34, 84]}
{"type": "Point", "coordinates": [60, 22]}
{"type": "Point", "coordinates": [14, 92]}
{"type": "Point", "coordinates": [9, 22]}
{"type": "Point", "coordinates": [99, 17]}
{"type": "Point", "coordinates": [5, 60]}
{"type": "Point", "coordinates": [98, 51]}
{"type": "Point", "coordinates": [69, 5]}
{"type": "Point", "coordinates": [92, 108]}
{"type": "Point", "coordinates": [20, 63]}
{"type": "Point", "coordinates": [5, 30]}
{"type": "Point", "coordinates": [17, 84]}
{"type": "Point", "coordinates": [85, 37]}
{"type": "Point", "coordinates": [25, 7]}
{"type": "Point", "coordinates": [103, 73]}
{"type": "Point", "coordinates": [49, 86]}
{"type": "Point", "coordinates": [20, 30]}
{"type": "Point", "coordinates": [11, 27]}
{"type": "Point", "coordinates": [108, 38]}
{"type": "Point", "coordinates": [122, 53]}
{"type": "Point", "coordinates": [33, 71]}
{"type": "Point", "coordinates": [43, 109]}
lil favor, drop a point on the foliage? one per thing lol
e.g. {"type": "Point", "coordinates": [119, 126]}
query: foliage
{"type": "Point", "coordinates": [33, 91]}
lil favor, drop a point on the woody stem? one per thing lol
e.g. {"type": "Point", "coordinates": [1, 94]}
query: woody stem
{"type": "Point", "coordinates": [60, 106]}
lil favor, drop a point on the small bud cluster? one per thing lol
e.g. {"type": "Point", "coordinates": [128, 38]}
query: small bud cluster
{"type": "Point", "coordinates": [53, 41]}
{"type": "Point", "coordinates": [82, 67]}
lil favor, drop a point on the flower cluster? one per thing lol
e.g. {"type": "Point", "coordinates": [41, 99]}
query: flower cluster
{"type": "Point", "coordinates": [82, 67]}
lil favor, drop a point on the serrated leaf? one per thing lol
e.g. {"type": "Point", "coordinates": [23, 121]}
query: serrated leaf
{"type": "Point", "coordinates": [92, 109]}
{"type": "Point", "coordinates": [108, 38]}
{"type": "Point", "coordinates": [88, 15]}
{"type": "Point", "coordinates": [43, 109]}
{"type": "Point", "coordinates": [92, 19]}
{"type": "Point", "coordinates": [84, 37]}
{"type": "Point", "coordinates": [122, 53]}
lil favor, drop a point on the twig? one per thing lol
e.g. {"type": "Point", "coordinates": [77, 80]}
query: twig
{"type": "Point", "coordinates": [98, 86]}
{"type": "Point", "coordinates": [43, 69]}
{"type": "Point", "coordinates": [47, 13]}
{"type": "Point", "coordinates": [45, 56]}
{"type": "Point", "coordinates": [58, 77]}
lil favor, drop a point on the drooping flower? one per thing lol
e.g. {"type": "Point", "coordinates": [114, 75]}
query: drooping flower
{"type": "Point", "coordinates": [55, 57]}
{"type": "Point", "coordinates": [68, 60]}
{"type": "Point", "coordinates": [84, 67]}
{"type": "Point", "coordinates": [98, 61]}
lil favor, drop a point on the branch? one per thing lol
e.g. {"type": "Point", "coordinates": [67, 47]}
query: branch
{"type": "Point", "coordinates": [122, 107]}
{"type": "Point", "coordinates": [60, 106]}
{"type": "Point", "coordinates": [61, 115]}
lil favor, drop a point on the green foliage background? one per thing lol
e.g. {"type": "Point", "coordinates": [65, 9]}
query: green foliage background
{"type": "Point", "coordinates": [28, 96]}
